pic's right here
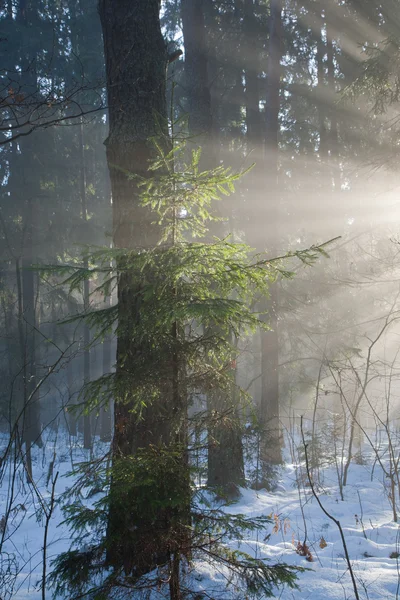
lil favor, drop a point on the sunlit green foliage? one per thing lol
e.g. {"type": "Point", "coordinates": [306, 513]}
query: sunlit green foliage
{"type": "Point", "coordinates": [184, 287]}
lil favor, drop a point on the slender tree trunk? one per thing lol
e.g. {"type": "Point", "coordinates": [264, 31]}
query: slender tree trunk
{"type": "Point", "coordinates": [87, 429]}
{"type": "Point", "coordinates": [105, 411]}
{"type": "Point", "coordinates": [252, 69]}
{"type": "Point", "coordinates": [255, 140]}
{"type": "Point", "coordinates": [31, 429]}
{"type": "Point", "coordinates": [270, 446]}
{"type": "Point", "coordinates": [321, 50]}
{"type": "Point", "coordinates": [196, 72]}
{"type": "Point", "coordinates": [8, 317]}
{"type": "Point", "coordinates": [72, 424]}
{"type": "Point", "coordinates": [28, 189]}
{"type": "Point", "coordinates": [225, 449]}
{"type": "Point", "coordinates": [333, 132]}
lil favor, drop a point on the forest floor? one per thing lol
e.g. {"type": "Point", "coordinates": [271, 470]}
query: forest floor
{"type": "Point", "coordinates": [371, 535]}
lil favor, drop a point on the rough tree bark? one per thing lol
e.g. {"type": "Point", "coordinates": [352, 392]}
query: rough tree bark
{"type": "Point", "coordinates": [136, 62]}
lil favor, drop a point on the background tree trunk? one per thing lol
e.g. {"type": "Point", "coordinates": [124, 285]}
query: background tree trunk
{"type": "Point", "coordinates": [87, 428]}
{"type": "Point", "coordinates": [270, 448]}
{"type": "Point", "coordinates": [225, 449]}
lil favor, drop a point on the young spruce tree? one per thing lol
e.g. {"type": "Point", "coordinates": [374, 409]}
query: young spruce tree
{"type": "Point", "coordinates": [185, 287]}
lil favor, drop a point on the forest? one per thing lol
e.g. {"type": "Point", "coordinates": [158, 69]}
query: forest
{"type": "Point", "coordinates": [199, 299]}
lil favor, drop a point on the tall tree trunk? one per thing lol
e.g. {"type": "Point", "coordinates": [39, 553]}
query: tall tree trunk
{"type": "Point", "coordinates": [32, 428]}
{"type": "Point", "coordinates": [254, 136]}
{"type": "Point", "coordinates": [252, 71]}
{"type": "Point", "coordinates": [28, 191]}
{"type": "Point", "coordinates": [225, 449]}
{"type": "Point", "coordinates": [196, 71]}
{"type": "Point", "coordinates": [333, 132]}
{"type": "Point", "coordinates": [270, 445]}
{"type": "Point", "coordinates": [87, 429]}
{"type": "Point", "coordinates": [8, 320]}
{"type": "Point", "coordinates": [105, 411]}
{"type": "Point", "coordinates": [75, 13]}
{"type": "Point", "coordinates": [321, 50]}
{"type": "Point", "coordinates": [71, 398]}
{"type": "Point", "coordinates": [225, 446]}
{"type": "Point", "coordinates": [136, 61]}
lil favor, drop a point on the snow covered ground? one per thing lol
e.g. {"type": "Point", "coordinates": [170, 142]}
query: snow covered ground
{"type": "Point", "coordinates": [365, 515]}
{"type": "Point", "coordinates": [369, 543]}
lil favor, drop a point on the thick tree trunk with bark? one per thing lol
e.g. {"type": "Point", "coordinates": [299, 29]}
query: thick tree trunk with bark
{"type": "Point", "coordinates": [136, 61]}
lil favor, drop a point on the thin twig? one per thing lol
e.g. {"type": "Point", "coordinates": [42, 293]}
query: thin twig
{"type": "Point", "coordinates": [332, 518]}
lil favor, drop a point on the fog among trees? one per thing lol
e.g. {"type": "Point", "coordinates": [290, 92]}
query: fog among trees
{"type": "Point", "coordinates": [199, 299]}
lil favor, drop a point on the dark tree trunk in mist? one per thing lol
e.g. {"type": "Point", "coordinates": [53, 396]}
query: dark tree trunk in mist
{"type": "Point", "coordinates": [321, 49]}
{"type": "Point", "coordinates": [254, 124]}
{"type": "Point", "coordinates": [31, 422]}
{"type": "Point", "coordinates": [274, 71]}
{"type": "Point", "coordinates": [23, 190]}
{"type": "Point", "coordinates": [196, 71]}
{"type": "Point", "coordinates": [270, 444]}
{"type": "Point", "coordinates": [333, 132]}
{"type": "Point", "coordinates": [254, 133]}
{"type": "Point", "coordinates": [136, 61]}
{"type": "Point", "coordinates": [225, 448]}
{"type": "Point", "coordinates": [86, 424]}
{"type": "Point", "coordinates": [72, 424]}
{"type": "Point", "coordinates": [252, 69]}
{"type": "Point", "coordinates": [8, 317]}
{"type": "Point", "coordinates": [28, 190]}
{"type": "Point", "coordinates": [31, 429]}
{"type": "Point", "coordinates": [327, 111]}
{"type": "Point", "coordinates": [105, 411]}
{"type": "Point", "coordinates": [87, 429]}
{"type": "Point", "coordinates": [106, 425]}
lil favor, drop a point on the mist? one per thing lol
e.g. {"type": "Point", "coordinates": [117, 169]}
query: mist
{"type": "Point", "coordinates": [200, 299]}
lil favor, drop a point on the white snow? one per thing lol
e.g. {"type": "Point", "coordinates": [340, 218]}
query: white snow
{"type": "Point", "coordinates": [371, 536]}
